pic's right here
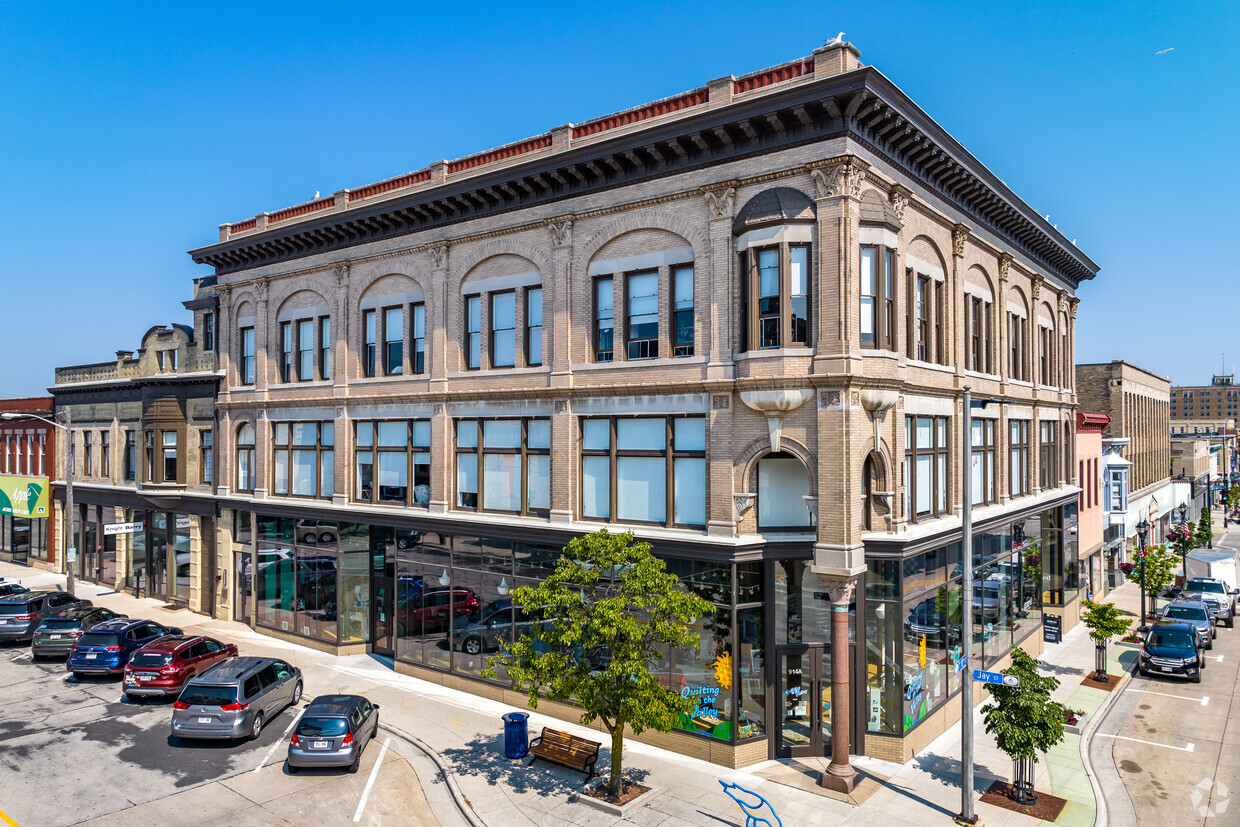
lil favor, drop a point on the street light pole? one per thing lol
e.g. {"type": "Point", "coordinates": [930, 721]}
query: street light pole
{"type": "Point", "coordinates": [967, 816]}
{"type": "Point", "coordinates": [1184, 541]}
{"type": "Point", "coordinates": [1143, 532]}
{"type": "Point", "coordinates": [67, 531]}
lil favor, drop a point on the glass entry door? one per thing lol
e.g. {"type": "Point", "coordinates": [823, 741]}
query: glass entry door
{"type": "Point", "coordinates": [382, 603]}
{"type": "Point", "coordinates": [245, 588]}
{"type": "Point", "coordinates": [804, 722]}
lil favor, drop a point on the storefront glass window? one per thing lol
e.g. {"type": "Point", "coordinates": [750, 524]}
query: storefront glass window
{"type": "Point", "coordinates": [704, 673]}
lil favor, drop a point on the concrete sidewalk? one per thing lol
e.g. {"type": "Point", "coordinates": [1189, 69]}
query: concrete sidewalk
{"type": "Point", "coordinates": [465, 732]}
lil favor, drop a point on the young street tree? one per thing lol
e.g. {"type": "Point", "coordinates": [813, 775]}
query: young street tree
{"type": "Point", "coordinates": [1104, 622]}
{"type": "Point", "coordinates": [1204, 535]}
{"type": "Point", "coordinates": [1160, 568]}
{"type": "Point", "coordinates": [1025, 721]}
{"type": "Point", "coordinates": [608, 612]}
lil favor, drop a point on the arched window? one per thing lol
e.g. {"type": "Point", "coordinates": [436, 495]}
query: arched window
{"type": "Point", "coordinates": [783, 485]}
{"type": "Point", "coordinates": [245, 458]}
{"type": "Point", "coordinates": [775, 233]}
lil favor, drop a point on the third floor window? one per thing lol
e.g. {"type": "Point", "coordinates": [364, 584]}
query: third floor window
{"type": "Point", "coordinates": [775, 296]}
{"type": "Point", "coordinates": [878, 297]}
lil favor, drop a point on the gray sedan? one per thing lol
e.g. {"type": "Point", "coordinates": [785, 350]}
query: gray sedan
{"type": "Point", "coordinates": [333, 732]}
{"type": "Point", "coordinates": [1196, 614]}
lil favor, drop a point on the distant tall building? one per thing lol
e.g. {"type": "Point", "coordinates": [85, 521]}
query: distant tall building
{"type": "Point", "coordinates": [1218, 400]}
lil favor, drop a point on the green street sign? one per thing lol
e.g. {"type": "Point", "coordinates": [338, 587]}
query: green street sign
{"type": "Point", "coordinates": [24, 496]}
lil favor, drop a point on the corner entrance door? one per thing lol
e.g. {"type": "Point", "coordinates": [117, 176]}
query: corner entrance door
{"type": "Point", "coordinates": [804, 684]}
{"type": "Point", "coordinates": [382, 602]}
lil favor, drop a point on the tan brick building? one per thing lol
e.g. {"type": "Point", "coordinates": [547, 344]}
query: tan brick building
{"type": "Point", "coordinates": [144, 429]}
{"type": "Point", "coordinates": [1218, 400]}
{"type": "Point", "coordinates": [737, 321]}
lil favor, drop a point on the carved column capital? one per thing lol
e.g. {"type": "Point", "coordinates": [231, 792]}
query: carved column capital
{"type": "Point", "coordinates": [1035, 287]}
{"type": "Point", "coordinates": [342, 273]}
{"type": "Point", "coordinates": [720, 198]}
{"type": "Point", "coordinates": [1072, 304]}
{"type": "Point", "coordinates": [1005, 266]}
{"type": "Point", "coordinates": [960, 234]}
{"type": "Point", "coordinates": [838, 177]}
{"type": "Point", "coordinates": [899, 199]}
{"type": "Point", "coordinates": [439, 255]}
{"type": "Point", "coordinates": [561, 231]}
{"type": "Point", "coordinates": [840, 589]}
{"type": "Point", "coordinates": [260, 290]}
{"type": "Point", "coordinates": [224, 293]}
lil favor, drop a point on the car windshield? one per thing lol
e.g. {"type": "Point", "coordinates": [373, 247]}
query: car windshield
{"type": "Point", "coordinates": [208, 695]}
{"type": "Point", "coordinates": [61, 623]}
{"type": "Point", "coordinates": [1187, 613]}
{"type": "Point", "coordinates": [151, 659]}
{"type": "Point", "coordinates": [316, 726]}
{"type": "Point", "coordinates": [10, 609]}
{"type": "Point", "coordinates": [1205, 586]}
{"type": "Point", "coordinates": [1173, 638]}
{"type": "Point", "coordinates": [96, 639]}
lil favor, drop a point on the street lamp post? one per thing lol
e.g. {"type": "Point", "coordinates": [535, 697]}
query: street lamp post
{"type": "Point", "coordinates": [69, 469]}
{"type": "Point", "coordinates": [1184, 541]}
{"type": "Point", "coordinates": [1143, 532]}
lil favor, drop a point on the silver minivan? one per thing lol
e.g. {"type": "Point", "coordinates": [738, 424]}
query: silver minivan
{"type": "Point", "coordinates": [235, 699]}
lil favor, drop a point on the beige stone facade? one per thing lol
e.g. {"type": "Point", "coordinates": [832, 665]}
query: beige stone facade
{"type": "Point", "coordinates": [809, 377]}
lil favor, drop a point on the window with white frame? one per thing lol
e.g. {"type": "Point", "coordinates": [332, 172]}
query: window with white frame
{"type": "Point", "coordinates": [503, 465]}
{"type": "Point", "coordinates": [303, 459]}
{"type": "Point", "coordinates": [1117, 489]}
{"type": "Point", "coordinates": [246, 335]}
{"type": "Point", "coordinates": [246, 467]}
{"type": "Point", "coordinates": [644, 469]}
{"type": "Point", "coordinates": [392, 460]}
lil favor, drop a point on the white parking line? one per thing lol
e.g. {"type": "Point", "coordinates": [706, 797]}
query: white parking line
{"type": "Point", "coordinates": [1187, 748]}
{"type": "Point", "coordinates": [19, 657]}
{"type": "Point", "coordinates": [1203, 701]}
{"type": "Point", "coordinates": [272, 751]}
{"type": "Point", "coordinates": [370, 782]}
{"type": "Point", "coordinates": [1218, 658]}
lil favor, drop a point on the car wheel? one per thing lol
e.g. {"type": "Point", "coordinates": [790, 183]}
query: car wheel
{"type": "Point", "coordinates": [357, 762]}
{"type": "Point", "coordinates": [1231, 621]}
{"type": "Point", "coordinates": [257, 728]}
{"type": "Point", "coordinates": [133, 699]}
{"type": "Point", "coordinates": [291, 769]}
{"type": "Point", "coordinates": [1144, 673]}
{"type": "Point", "coordinates": [1197, 677]}
{"type": "Point", "coordinates": [296, 694]}
{"type": "Point", "coordinates": [473, 645]}
{"type": "Point", "coordinates": [1210, 645]}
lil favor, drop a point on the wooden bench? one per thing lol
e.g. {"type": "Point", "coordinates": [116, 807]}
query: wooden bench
{"type": "Point", "coordinates": [569, 750]}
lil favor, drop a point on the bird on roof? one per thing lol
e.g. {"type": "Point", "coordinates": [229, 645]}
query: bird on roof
{"type": "Point", "coordinates": [839, 38]}
{"type": "Point", "coordinates": [1164, 51]}
{"type": "Point", "coordinates": [316, 193]}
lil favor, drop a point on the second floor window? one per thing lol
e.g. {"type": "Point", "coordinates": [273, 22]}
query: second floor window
{"type": "Point", "coordinates": [1016, 348]}
{"type": "Point", "coordinates": [1018, 457]}
{"type": "Point", "coordinates": [604, 318]}
{"type": "Point", "coordinates": [642, 293]}
{"type": "Point", "coordinates": [927, 341]}
{"type": "Point", "coordinates": [925, 466]}
{"type": "Point", "coordinates": [88, 460]}
{"type": "Point", "coordinates": [393, 462]}
{"type": "Point", "coordinates": [682, 310]}
{"type": "Point", "coordinates": [473, 332]}
{"type": "Point", "coordinates": [533, 326]}
{"type": "Point", "coordinates": [247, 355]}
{"type": "Point", "coordinates": [207, 459]}
{"type": "Point", "coordinates": [647, 469]}
{"type": "Point", "coordinates": [1046, 356]}
{"type": "Point", "coordinates": [503, 329]}
{"type": "Point", "coordinates": [208, 331]}
{"type": "Point", "coordinates": [417, 353]}
{"type": "Point", "coordinates": [150, 456]}
{"type": "Point", "coordinates": [1048, 453]}
{"type": "Point", "coordinates": [393, 341]}
{"type": "Point", "coordinates": [304, 459]}
{"type": "Point", "coordinates": [878, 298]}
{"type": "Point", "coordinates": [1117, 489]}
{"type": "Point", "coordinates": [105, 453]}
{"type": "Point", "coordinates": [776, 296]}
{"type": "Point", "coordinates": [503, 465]}
{"type": "Point", "coordinates": [325, 347]}
{"type": "Point", "coordinates": [978, 325]}
{"type": "Point", "coordinates": [168, 442]}
{"type": "Point", "coordinates": [130, 469]}
{"type": "Point", "coordinates": [983, 461]}
{"type": "Point", "coordinates": [246, 468]}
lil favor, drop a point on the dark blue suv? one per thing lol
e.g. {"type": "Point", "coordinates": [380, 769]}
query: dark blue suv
{"type": "Point", "coordinates": [106, 648]}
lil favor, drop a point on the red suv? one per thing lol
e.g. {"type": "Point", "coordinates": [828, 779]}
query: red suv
{"type": "Point", "coordinates": [433, 611]}
{"type": "Point", "coordinates": [161, 668]}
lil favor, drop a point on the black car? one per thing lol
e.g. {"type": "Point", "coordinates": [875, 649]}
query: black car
{"type": "Point", "coordinates": [58, 632]}
{"type": "Point", "coordinates": [1172, 649]}
{"type": "Point", "coordinates": [21, 614]}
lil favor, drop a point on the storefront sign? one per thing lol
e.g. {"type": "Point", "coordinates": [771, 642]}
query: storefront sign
{"type": "Point", "coordinates": [1052, 629]}
{"type": "Point", "coordinates": [24, 496]}
{"type": "Point", "coordinates": [704, 696]}
{"type": "Point", "coordinates": [122, 528]}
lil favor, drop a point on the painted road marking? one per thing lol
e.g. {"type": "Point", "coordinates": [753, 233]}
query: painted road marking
{"type": "Point", "coordinates": [1203, 701]}
{"type": "Point", "coordinates": [272, 751]}
{"type": "Point", "coordinates": [370, 782]}
{"type": "Point", "coordinates": [1188, 748]}
{"type": "Point", "coordinates": [5, 818]}
{"type": "Point", "coordinates": [1218, 658]}
{"type": "Point", "coordinates": [19, 657]}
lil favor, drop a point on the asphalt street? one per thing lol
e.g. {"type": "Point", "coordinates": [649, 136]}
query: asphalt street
{"type": "Point", "coordinates": [78, 752]}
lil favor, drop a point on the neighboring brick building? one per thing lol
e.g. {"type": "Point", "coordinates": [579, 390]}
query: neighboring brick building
{"type": "Point", "coordinates": [1090, 474]}
{"type": "Point", "coordinates": [27, 446]}
{"type": "Point", "coordinates": [143, 428]}
{"type": "Point", "coordinates": [1218, 400]}
{"type": "Point", "coordinates": [736, 321]}
{"type": "Point", "coordinates": [1190, 464]}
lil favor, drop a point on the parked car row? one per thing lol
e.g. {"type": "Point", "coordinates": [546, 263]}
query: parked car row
{"type": "Point", "coordinates": [1187, 627]}
{"type": "Point", "coordinates": [219, 694]}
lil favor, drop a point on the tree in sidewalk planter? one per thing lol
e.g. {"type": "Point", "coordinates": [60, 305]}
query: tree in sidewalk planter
{"type": "Point", "coordinates": [1160, 568]}
{"type": "Point", "coordinates": [1204, 534]}
{"type": "Point", "coordinates": [607, 614]}
{"type": "Point", "coordinates": [1104, 621]}
{"type": "Point", "coordinates": [1025, 721]}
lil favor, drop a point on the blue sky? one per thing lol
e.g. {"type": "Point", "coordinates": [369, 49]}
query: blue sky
{"type": "Point", "coordinates": [131, 131]}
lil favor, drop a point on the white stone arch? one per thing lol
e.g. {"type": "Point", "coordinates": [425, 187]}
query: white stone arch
{"type": "Point", "coordinates": [302, 296]}
{"type": "Point", "coordinates": [473, 255]}
{"type": "Point", "coordinates": [529, 266]}
{"type": "Point", "coordinates": [629, 222]}
{"type": "Point", "coordinates": [363, 276]}
{"type": "Point", "coordinates": [790, 449]}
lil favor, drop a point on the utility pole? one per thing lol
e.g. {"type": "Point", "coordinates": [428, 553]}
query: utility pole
{"type": "Point", "coordinates": [70, 534]}
{"type": "Point", "coordinates": [967, 816]}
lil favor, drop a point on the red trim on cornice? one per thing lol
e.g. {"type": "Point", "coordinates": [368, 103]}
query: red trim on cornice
{"type": "Point", "coordinates": [406, 180]}
{"type": "Point", "coordinates": [499, 154]}
{"type": "Point", "coordinates": [1092, 423]}
{"type": "Point", "coordinates": [696, 97]}
{"type": "Point", "coordinates": [242, 226]}
{"type": "Point", "coordinates": [301, 209]}
{"type": "Point", "coordinates": [775, 74]}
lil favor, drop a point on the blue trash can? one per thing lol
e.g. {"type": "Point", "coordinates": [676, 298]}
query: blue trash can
{"type": "Point", "coordinates": [516, 735]}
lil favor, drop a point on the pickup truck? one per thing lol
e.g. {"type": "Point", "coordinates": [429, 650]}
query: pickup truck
{"type": "Point", "coordinates": [1214, 592]}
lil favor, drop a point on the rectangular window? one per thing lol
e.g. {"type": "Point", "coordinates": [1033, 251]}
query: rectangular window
{"type": "Point", "coordinates": [304, 459]}
{"type": "Point", "coordinates": [208, 331]}
{"type": "Point", "coordinates": [105, 454]}
{"type": "Point", "coordinates": [473, 332]}
{"type": "Point", "coordinates": [940, 339]}
{"type": "Point", "coordinates": [1048, 453]}
{"type": "Point", "coordinates": [393, 462]}
{"type": "Point", "coordinates": [247, 355]}
{"type": "Point", "coordinates": [682, 310]}
{"type": "Point", "coordinates": [393, 341]}
{"type": "Point", "coordinates": [325, 347]}
{"type": "Point", "coordinates": [286, 351]}
{"type": "Point", "coordinates": [921, 309]}
{"type": "Point", "coordinates": [604, 318]}
{"type": "Point", "coordinates": [925, 466]}
{"type": "Point", "coordinates": [369, 342]}
{"type": "Point", "coordinates": [130, 460]}
{"type": "Point", "coordinates": [768, 298]}
{"type": "Point", "coordinates": [642, 290]}
{"type": "Point", "coordinates": [207, 458]}
{"type": "Point", "coordinates": [503, 330]}
{"type": "Point", "coordinates": [305, 350]}
{"type": "Point", "coordinates": [798, 294]}
{"type": "Point", "coordinates": [1016, 347]}
{"type": "Point", "coordinates": [88, 460]}
{"type": "Point", "coordinates": [982, 457]}
{"type": "Point", "coordinates": [869, 296]}
{"type": "Point", "coordinates": [418, 352]}
{"type": "Point", "coordinates": [533, 326]}
{"type": "Point", "coordinates": [648, 469]}
{"type": "Point", "coordinates": [170, 456]}
{"type": "Point", "coordinates": [1018, 457]}
{"type": "Point", "coordinates": [514, 472]}
{"type": "Point", "coordinates": [888, 284]}
{"type": "Point", "coordinates": [149, 437]}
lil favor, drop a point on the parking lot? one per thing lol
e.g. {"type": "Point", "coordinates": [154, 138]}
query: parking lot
{"type": "Point", "coordinates": [79, 752]}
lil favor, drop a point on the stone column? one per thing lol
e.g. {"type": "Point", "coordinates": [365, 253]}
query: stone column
{"type": "Point", "coordinates": [262, 337]}
{"type": "Point", "coordinates": [437, 321]}
{"type": "Point", "coordinates": [564, 462]}
{"type": "Point", "coordinates": [840, 775]}
{"type": "Point", "coordinates": [441, 451]}
{"type": "Point", "coordinates": [714, 287]}
{"type": "Point", "coordinates": [558, 296]}
{"type": "Point", "coordinates": [341, 352]}
{"type": "Point", "coordinates": [1002, 334]}
{"type": "Point", "coordinates": [837, 313]}
{"type": "Point", "coordinates": [954, 326]}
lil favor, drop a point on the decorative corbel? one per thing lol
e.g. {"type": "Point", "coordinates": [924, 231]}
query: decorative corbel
{"type": "Point", "coordinates": [720, 198]}
{"type": "Point", "coordinates": [899, 200]}
{"type": "Point", "coordinates": [836, 177]}
{"type": "Point", "coordinates": [811, 503]}
{"type": "Point", "coordinates": [960, 234]}
{"type": "Point", "coordinates": [775, 404]}
{"type": "Point", "coordinates": [1005, 266]}
{"type": "Point", "coordinates": [742, 502]}
{"type": "Point", "coordinates": [561, 231]}
{"type": "Point", "coordinates": [439, 255]}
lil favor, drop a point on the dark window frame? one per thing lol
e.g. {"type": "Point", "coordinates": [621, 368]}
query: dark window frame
{"type": "Point", "coordinates": [598, 319]}
{"type": "Point", "coordinates": [752, 301]}
{"type": "Point", "coordinates": [320, 448]}
{"type": "Point", "coordinates": [494, 332]}
{"type": "Point", "coordinates": [208, 331]}
{"type": "Point", "coordinates": [646, 347]}
{"type": "Point", "coordinates": [682, 345]}
{"type": "Point", "coordinates": [883, 301]}
{"type": "Point", "coordinates": [370, 342]}
{"type": "Point", "coordinates": [417, 349]}
{"type": "Point", "coordinates": [410, 450]}
{"type": "Point", "coordinates": [533, 352]}
{"type": "Point", "coordinates": [1018, 454]}
{"type": "Point", "coordinates": [246, 450]}
{"type": "Point", "coordinates": [206, 471]}
{"type": "Point", "coordinates": [473, 336]}
{"type": "Point", "coordinates": [1048, 453]}
{"type": "Point", "coordinates": [940, 466]}
{"type": "Point", "coordinates": [248, 360]}
{"type": "Point", "coordinates": [481, 450]}
{"type": "Point", "coordinates": [987, 449]}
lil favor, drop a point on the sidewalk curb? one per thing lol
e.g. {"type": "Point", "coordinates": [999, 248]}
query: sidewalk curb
{"type": "Point", "coordinates": [462, 803]}
{"type": "Point", "coordinates": [1095, 721]}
